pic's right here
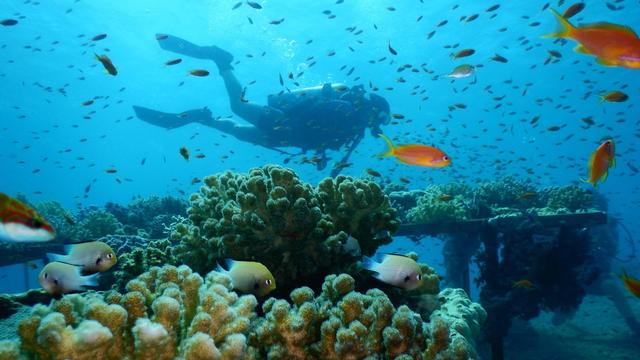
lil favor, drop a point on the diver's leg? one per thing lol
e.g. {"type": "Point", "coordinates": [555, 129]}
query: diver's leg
{"type": "Point", "coordinates": [181, 46]}
{"type": "Point", "coordinates": [248, 134]}
{"type": "Point", "coordinates": [262, 117]}
{"type": "Point", "coordinates": [171, 121]}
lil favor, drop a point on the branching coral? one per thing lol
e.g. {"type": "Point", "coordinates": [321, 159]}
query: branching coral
{"type": "Point", "coordinates": [272, 217]}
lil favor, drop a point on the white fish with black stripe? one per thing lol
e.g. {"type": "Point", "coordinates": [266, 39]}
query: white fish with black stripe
{"type": "Point", "coordinates": [397, 270]}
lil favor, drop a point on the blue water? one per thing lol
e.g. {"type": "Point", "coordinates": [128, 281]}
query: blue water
{"type": "Point", "coordinates": [48, 151]}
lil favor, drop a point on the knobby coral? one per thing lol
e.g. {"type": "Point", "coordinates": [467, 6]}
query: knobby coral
{"type": "Point", "coordinates": [173, 313]}
{"type": "Point", "coordinates": [166, 313]}
{"type": "Point", "coordinates": [297, 231]}
{"type": "Point", "coordinates": [344, 324]}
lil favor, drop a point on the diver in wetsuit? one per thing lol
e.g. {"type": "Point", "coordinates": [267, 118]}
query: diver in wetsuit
{"type": "Point", "coordinates": [318, 118]}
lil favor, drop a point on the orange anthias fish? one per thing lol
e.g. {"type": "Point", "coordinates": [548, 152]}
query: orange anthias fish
{"type": "Point", "coordinates": [601, 160]}
{"type": "Point", "coordinates": [633, 285]}
{"type": "Point", "coordinates": [523, 284]}
{"type": "Point", "coordinates": [20, 223]}
{"type": "Point", "coordinates": [611, 44]}
{"type": "Point", "coordinates": [415, 154]}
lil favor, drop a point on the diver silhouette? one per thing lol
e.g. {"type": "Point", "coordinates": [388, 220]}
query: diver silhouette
{"type": "Point", "coordinates": [318, 118]}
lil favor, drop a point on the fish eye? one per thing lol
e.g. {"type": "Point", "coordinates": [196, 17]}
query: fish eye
{"type": "Point", "coordinates": [445, 158]}
{"type": "Point", "coordinates": [268, 282]}
{"type": "Point", "coordinates": [418, 277]}
{"type": "Point", "coordinates": [407, 278]}
{"type": "Point", "coordinates": [109, 255]}
{"type": "Point", "coordinates": [46, 275]}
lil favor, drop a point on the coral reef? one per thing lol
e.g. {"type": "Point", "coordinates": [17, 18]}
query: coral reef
{"type": "Point", "coordinates": [94, 225]}
{"type": "Point", "coordinates": [144, 217]}
{"type": "Point", "coordinates": [141, 258]}
{"type": "Point", "coordinates": [403, 201]}
{"type": "Point", "coordinates": [505, 197]}
{"type": "Point", "coordinates": [167, 313]}
{"type": "Point", "coordinates": [270, 216]}
{"type": "Point", "coordinates": [441, 204]}
{"type": "Point", "coordinates": [344, 324]}
{"type": "Point", "coordinates": [88, 224]}
{"type": "Point", "coordinates": [151, 215]}
{"type": "Point", "coordinates": [172, 312]}
{"type": "Point", "coordinates": [58, 217]}
{"type": "Point", "coordinates": [568, 198]}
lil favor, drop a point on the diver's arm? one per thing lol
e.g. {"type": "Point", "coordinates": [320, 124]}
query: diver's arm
{"type": "Point", "coordinates": [350, 148]}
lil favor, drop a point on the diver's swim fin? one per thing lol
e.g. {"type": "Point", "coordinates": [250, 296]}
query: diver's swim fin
{"type": "Point", "coordinates": [171, 121]}
{"type": "Point", "coordinates": [175, 44]}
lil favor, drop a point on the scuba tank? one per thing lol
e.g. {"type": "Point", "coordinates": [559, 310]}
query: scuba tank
{"type": "Point", "coordinates": [287, 100]}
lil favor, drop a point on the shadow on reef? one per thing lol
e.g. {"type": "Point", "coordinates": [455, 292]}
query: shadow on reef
{"type": "Point", "coordinates": [536, 249]}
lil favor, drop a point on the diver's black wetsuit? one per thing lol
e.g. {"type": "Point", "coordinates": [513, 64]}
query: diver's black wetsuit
{"type": "Point", "coordinates": [318, 119]}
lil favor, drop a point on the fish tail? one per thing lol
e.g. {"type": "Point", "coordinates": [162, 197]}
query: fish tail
{"type": "Point", "coordinates": [566, 28]}
{"type": "Point", "coordinates": [91, 280]}
{"type": "Point", "coordinates": [594, 183]}
{"type": "Point", "coordinates": [369, 264]}
{"type": "Point", "coordinates": [391, 147]}
{"type": "Point", "coordinates": [57, 257]}
{"type": "Point", "coordinates": [624, 274]}
{"type": "Point", "coordinates": [228, 263]}
{"type": "Point", "coordinates": [220, 269]}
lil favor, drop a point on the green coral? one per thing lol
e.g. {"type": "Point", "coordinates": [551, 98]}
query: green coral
{"type": "Point", "coordinates": [435, 206]}
{"type": "Point", "coordinates": [142, 258]}
{"type": "Point", "coordinates": [57, 216]}
{"type": "Point", "coordinates": [572, 198]}
{"type": "Point", "coordinates": [505, 197]}
{"type": "Point", "coordinates": [147, 217]}
{"type": "Point", "coordinates": [94, 225]}
{"type": "Point", "coordinates": [270, 216]}
{"type": "Point", "coordinates": [505, 193]}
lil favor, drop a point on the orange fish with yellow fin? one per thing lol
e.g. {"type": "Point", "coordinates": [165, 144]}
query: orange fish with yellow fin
{"type": "Point", "coordinates": [601, 160]}
{"type": "Point", "coordinates": [631, 284]}
{"type": "Point", "coordinates": [416, 154]}
{"type": "Point", "coordinates": [611, 44]}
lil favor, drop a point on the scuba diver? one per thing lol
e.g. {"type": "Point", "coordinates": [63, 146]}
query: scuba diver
{"type": "Point", "coordinates": [318, 118]}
